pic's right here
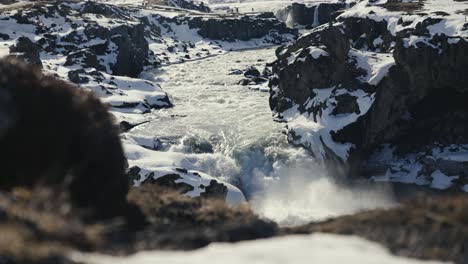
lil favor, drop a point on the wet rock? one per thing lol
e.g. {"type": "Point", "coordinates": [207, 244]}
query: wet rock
{"type": "Point", "coordinates": [4, 36]}
{"type": "Point", "coordinates": [251, 72]}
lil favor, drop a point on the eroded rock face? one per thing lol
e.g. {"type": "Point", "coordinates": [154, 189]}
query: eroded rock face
{"type": "Point", "coordinates": [244, 28]}
{"type": "Point", "coordinates": [350, 88]}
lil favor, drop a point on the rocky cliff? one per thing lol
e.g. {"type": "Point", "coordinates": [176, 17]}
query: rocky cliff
{"type": "Point", "coordinates": [302, 15]}
{"type": "Point", "coordinates": [381, 90]}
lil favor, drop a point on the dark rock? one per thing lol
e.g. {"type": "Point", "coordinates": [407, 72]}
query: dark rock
{"type": "Point", "coordinates": [76, 76]}
{"type": "Point", "coordinates": [85, 58]}
{"type": "Point", "coordinates": [66, 137]}
{"type": "Point", "coordinates": [428, 84]}
{"type": "Point", "coordinates": [190, 5]}
{"type": "Point", "coordinates": [4, 36]}
{"type": "Point", "coordinates": [27, 50]}
{"type": "Point", "coordinates": [251, 72]}
{"type": "Point", "coordinates": [236, 72]}
{"type": "Point", "coordinates": [346, 104]}
{"type": "Point", "coordinates": [243, 28]}
{"type": "Point", "coordinates": [132, 49]}
{"type": "Point", "coordinates": [245, 82]}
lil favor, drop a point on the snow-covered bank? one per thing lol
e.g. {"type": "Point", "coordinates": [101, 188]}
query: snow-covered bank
{"type": "Point", "coordinates": [319, 248]}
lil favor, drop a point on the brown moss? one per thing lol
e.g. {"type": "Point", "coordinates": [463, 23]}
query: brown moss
{"type": "Point", "coordinates": [181, 222]}
{"type": "Point", "coordinates": [39, 225]}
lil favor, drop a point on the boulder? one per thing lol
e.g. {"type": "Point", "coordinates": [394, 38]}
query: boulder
{"type": "Point", "coordinates": [60, 136]}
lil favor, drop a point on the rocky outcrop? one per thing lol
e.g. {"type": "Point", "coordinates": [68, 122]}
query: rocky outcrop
{"type": "Point", "coordinates": [187, 4]}
{"type": "Point", "coordinates": [252, 76]}
{"type": "Point", "coordinates": [190, 183]}
{"type": "Point", "coordinates": [349, 89]}
{"type": "Point", "coordinates": [243, 28]}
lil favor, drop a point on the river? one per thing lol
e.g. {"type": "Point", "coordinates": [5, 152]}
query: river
{"type": "Point", "coordinates": [213, 114]}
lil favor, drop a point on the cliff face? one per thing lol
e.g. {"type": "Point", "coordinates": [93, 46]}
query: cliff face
{"type": "Point", "coordinates": [381, 91]}
{"type": "Point", "coordinates": [309, 16]}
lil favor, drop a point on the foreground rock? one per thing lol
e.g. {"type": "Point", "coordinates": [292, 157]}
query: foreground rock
{"type": "Point", "coordinates": [423, 228]}
{"type": "Point", "coordinates": [381, 91]}
{"type": "Point", "coordinates": [53, 133]}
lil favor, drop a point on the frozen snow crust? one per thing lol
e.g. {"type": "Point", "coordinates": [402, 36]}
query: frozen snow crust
{"type": "Point", "coordinates": [384, 72]}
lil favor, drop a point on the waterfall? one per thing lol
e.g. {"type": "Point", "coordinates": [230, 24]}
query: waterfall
{"type": "Point", "coordinates": [316, 16]}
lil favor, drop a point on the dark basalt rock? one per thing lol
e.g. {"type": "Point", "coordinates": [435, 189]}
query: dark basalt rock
{"type": "Point", "coordinates": [85, 58]}
{"type": "Point", "coordinates": [326, 71]}
{"type": "Point", "coordinates": [132, 49]}
{"type": "Point", "coordinates": [422, 99]}
{"type": "Point", "coordinates": [91, 7]}
{"type": "Point", "coordinates": [428, 84]}
{"type": "Point", "coordinates": [190, 5]}
{"type": "Point", "coordinates": [244, 28]}
{"type": "Point", "coordinates": [346, 104]}
{"type": "Point", "coordinates": [27, 50]}
{"type": "Point", "coordinates": [364, 33]}
{"type": "Point", "coordinates": [78, 76]}
{"type": "Point", "coordinates": [4, 36]}
{"type": "Point", "coordinates": [251, 72]}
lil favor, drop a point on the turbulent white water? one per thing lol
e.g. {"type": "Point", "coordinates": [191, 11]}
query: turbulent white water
{"type": "Point", "coordinates": [213, 113]}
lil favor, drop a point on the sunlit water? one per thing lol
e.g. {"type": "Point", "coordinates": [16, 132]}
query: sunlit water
{"type": "Point", "coordinates": [213, 113]}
